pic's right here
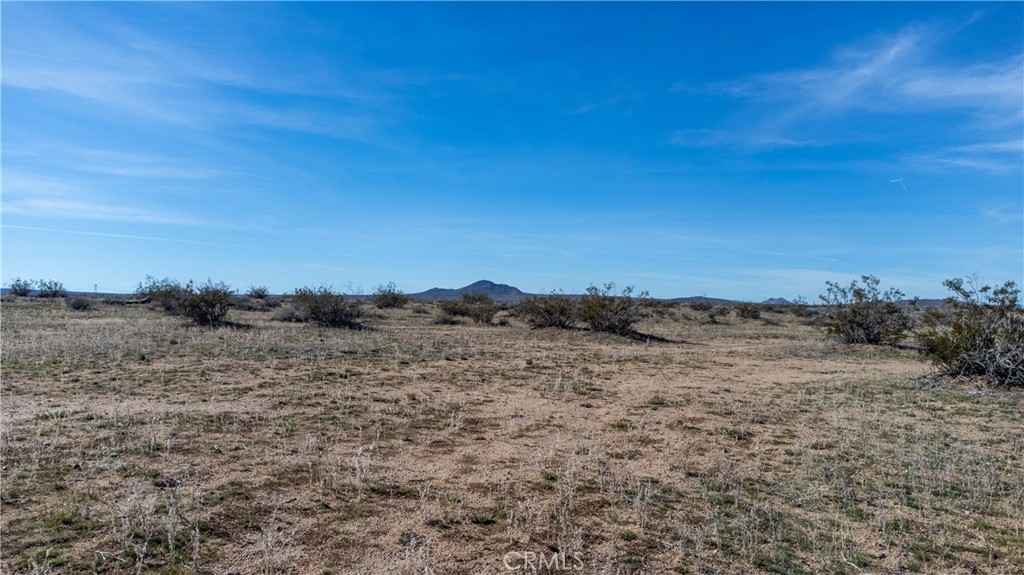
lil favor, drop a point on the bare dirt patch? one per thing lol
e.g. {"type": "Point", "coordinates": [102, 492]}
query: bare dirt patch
{"type": "Point", "coordinates": [133, 442]}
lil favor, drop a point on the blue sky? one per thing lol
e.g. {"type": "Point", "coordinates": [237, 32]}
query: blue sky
{"type": "Point", "coordinates": [730, 149]}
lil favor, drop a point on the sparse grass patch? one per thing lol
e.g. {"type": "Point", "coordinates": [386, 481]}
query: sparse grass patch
{"type": "Point", "coordinates": [134, 441]}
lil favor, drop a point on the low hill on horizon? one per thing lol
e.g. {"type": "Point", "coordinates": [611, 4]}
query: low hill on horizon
{"type": "Point", "coordinates": [510, 294]}
{"type": "Point", "coordinates": [498, 292]}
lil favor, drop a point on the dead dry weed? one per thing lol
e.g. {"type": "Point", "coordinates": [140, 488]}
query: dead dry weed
{"type": "Point", "coordinates": [134, 442]}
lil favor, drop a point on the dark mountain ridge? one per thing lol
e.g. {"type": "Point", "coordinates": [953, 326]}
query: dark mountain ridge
{"type": "Point", "coordinates": [498, 292]}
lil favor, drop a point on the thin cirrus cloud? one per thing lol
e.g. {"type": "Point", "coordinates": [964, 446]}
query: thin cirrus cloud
{"type": "Point", "coordinates": [63, 208]}
{"type": "Point", "coordinates": [900, 74]}
{"type": "Point", "coordinates": [53, 197]}
{"type": "Point", "coordinates": [135, 165]}
{"type": "Point", "coordinates": [890, 75]}
{"type": "Point", "coordinates": [995, 157]}
{"type": "Point", "coordinates": [707, 138]}
{"type": "Point", "coordinates": [136, 73]}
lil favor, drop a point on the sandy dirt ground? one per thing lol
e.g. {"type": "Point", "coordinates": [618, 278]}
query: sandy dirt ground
{"type": "Point", "coordinates": [134, 442]}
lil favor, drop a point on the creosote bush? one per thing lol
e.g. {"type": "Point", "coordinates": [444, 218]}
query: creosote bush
{"type": "Point", "coordinates": [79, 303]}
{"type": "Point", "coordinates": [747, 310]}
{"type": "Point", "coordinates": [258, 292]}
{"type": "Point", "coordinates": [249, 303]}
{"type": "Point", "coordinates": [389, 296]}
{"type": "Point", "coordinates": [799, 307]}
{"type": "Point", "coordinates": [861, 313]}
{"type": "Point", "coordinates": [292, 313]}
{"type": "Point", "coordinates": [702, 305]}
{"type": "Point", "coordinates": [554, 310]}
{"type": "Point", "coordinates": [166, 293]}
{"type": "Point", "coordinates": [602, 310]}
{"type": "Point", "coordinates": [326, 308]}
{"type": "Point", "coordinates": [20, 287]}
{"type": "Point", "coordinates": [208, 304]}
{"type": "Point", "coordinates": [715, 312]}
{"type": "Point", "coordinates": [477, 306]}
{"type": "Point", "coordinates": [980, 332]}
{"type": "Point", "coordinates": [50, 289]}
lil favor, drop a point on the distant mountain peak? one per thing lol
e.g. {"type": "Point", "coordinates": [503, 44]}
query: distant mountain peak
{"type": "Point", "coordinates": [483, 284]}
{"type": "Point", "coordinates": [498, 292]}
{"type": "Point", "coordinates": [777, 301]}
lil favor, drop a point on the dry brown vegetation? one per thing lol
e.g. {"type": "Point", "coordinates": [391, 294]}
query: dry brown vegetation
{"type": "Point", "coordinates": [135, 442]}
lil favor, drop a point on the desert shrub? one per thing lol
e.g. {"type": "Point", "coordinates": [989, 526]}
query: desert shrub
{"type": "Point", "coordinates": [292, 313]}
{"type": "Point", "coordinates": [50, 289]}
{"type": "Point", "coordinates": [389, 296]}
{"type": "Point", "coordinates": [554, 310]}
{"type": "Point", "coordinates": [980, 332]}
{"type": "Point", "coordinates": [208, 304]}
{"type": "Point", "coordinates": [167, 293]}
{"type": "Point", "coordinates": [446, 319]}
{"type": "Point", "coordinates": [79, 303]}
{"type": "Point", "coordinates": [747, 310]}
{"type": "Point", "coordinates": [659, 308]}
{"type": "Point", "coordinates": [249, 303]}
{"type": "Point", "coordinates": [477, 306]}
{"type": "Point", "coordinates": [799, 307]}
{"type": "Point", "coordinates": [861, 313]}
{"type": "Point", "coordinates": [326, 308]}
{"type": "Point", "coordinates": [20, 287]}
{"type": "Point", "coordinates": [604, 311]}
{"type": "Point", "coordinates": [454, 308]}
{"type": "Point", "coordinates": [716, 312]}
{"type": "Point", "coordinates": [702, 306]}
{"type": "Point", "coordinates": [420, 310]}
{"type": "Point", "coordinates": [480, 307]}
{"type": "Point", "coordinates": [258, 292]}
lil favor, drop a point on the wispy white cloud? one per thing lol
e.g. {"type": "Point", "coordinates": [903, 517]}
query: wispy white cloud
{"type": "Point", "coordinates": [901, 74]}
{"type": "Point", "coordinates": [1008, 147]}
{"type": "Point", "coordinates": [855, 78]}
{"type": "Point", "coordinates": [1006, 214]}
{"type": "Point", "coordinates": [898, 73]}
{"type": "Point", "coordinates": [155, 78]}
{"type": "Point", "coordinates": [996, 157]}
{"type": "Point", "coordinates": [73, 209]}
{"type": "Point", "coordinates": [53, 198]}
{"type": "Point", "coordinates": [706, 138]}
{"type": "Point", "coordinates": [134, 165]}
{"type": "Point", "coordinates": [992, 86]}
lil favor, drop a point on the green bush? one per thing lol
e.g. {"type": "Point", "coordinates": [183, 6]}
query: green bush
{"type": "Point", "coordinates": [454, 308]}
{"type": "Point", "coordinates": [799, 307]}
{"type": "Point", "coordinates": [702, 305]}
{"type": "Point", "coordinates": [166, 293]}
{"type": "Point", "coordinates": [980, 332]}
{"type": "Point", "coordinates": [51, 289]}
{"type": "Point", "coordinates": [446, 319]}
{"type": "Point", "coordinates": [258, 292]}
{"type": "Point", "coordinates": [604, 311]}
{"type": "Point", "coordinates": [480, 307]}
{"type": "Point", "coordinates": [554, 310]}
{"type": "Point", "coordinates": [249, 303]}
{"type": "Point", "coordinates": [326, 308]}
{"type": "Point", "coordinates": [748, 310]}
{"type": "Point", "coordinates": [477, 306]}
{"type": "Point", "coordinates": [720, 311]}
{"type": "Point", "coordinates": [864, 314]}
{"type": "Point", "coordinates": [389, 296]}
{"type": "Point", "coordinates": [20, 287]}
{"type": "Point", "coordinates": [208, 304]}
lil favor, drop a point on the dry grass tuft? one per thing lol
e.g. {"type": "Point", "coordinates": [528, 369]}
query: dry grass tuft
{"type": "Point", "coordinates": [135, 442]}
